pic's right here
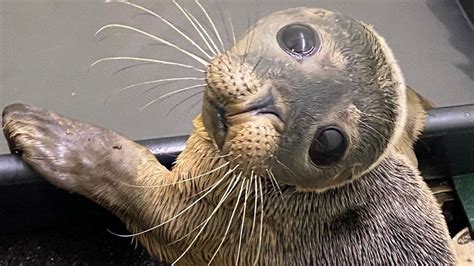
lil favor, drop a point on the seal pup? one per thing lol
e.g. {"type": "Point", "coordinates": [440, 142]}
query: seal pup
{"type": "Point", "coordinates": [301, 156]}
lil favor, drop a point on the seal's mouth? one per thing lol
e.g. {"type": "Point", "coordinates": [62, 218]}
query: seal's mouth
{"type": "Point", "coordinates": [217, 118]}
{"type": "Point", "coordinates": [264, 106]}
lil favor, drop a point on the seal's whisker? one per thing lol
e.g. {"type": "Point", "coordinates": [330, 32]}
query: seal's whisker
{"type": "Point", "coordinates": [199, 31]}
{"type": "Point", "coordinates": [183, 100]}
{"type": "Point", "coordinates": [249, 43]}
{"type": "Point", "coordinates": [381, 118]}
{"type": "Point", "coordinates": [179, 181]}
{"type": "Point", "coordinates": [385, 120]}
{"type": "Point", "coordinates": [129, 67]}
{"type": "Point", "coordinates": [271, 181]}
{"type": "Point", "coordinates": [166, 21]}
{"type": "Point", "coordinates": [272, 177]}
{"type": "Point", "coordinates": [243, 222]}
{"type": "Point", "coordinates": [170, 94]}
{"type": "Point", "coordinates": [221, 13]}
{"type": "Point", "coordinates": [286, 167]}
{"type": "Point", "coordinates": [181, 212]}
{"type": "Point", "coordinates": [187, 234]}
{"type": "Point", "coordinates": [234, 182]}
{"type": "Point", "coordinates": [232, 30]}
{"type": "Point", "coordinates": [197, 227]}
{"type": "Point", "coordinates": [203, 29]}
{"type": "Point", "coordinates": [373, 129]}
{"type": "Point", "coordinates": [156, 38]}
{"type": "Point", "coordinates": [193, 106]}
{"type": "Point", "coordinates": [146, 60]}
{"type": "Point", "coordinates": [253, 178]}
{"type": "Point", "coordinates": [242, 60]}
{"type": "Point", "coordinates": [230, 221]}
{"type": "Point", "coordinates": [262, 203]}
{"type": "Point", "coordinates": [159, 81]}
{"type": "Point", "coordinates": [256, 64]}
{"type": "Point", "coordinates": [211, 22]}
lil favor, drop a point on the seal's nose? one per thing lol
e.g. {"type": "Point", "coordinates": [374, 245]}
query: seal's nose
{"type": "Point", "coordinates": [235, 95]}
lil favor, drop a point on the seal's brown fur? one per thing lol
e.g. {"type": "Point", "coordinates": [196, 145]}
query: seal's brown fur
{"type": "Point", "coordinates": [249, 195]}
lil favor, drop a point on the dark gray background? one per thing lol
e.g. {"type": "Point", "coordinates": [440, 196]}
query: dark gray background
{"type": "Point", "coordinates": [48, 45]}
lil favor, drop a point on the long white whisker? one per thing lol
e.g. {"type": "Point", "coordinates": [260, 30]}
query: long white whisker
{"type": "Point", "coordinates": [159, 81]}
{"type": "Point", "coordinates": [148, 60]}
{"type": "Point", "coordinates": [167, 22]}
{"type": "Point", "coordinates": [271, 181]}
{"type": "Point", "coordinates": [228, 191]}
{"type": "Point", "coordinates": [183, 100]}
{"type": "Point", "coordinates": [230, 221]}
{"type": "Point", "coordinates": [243, 223]}
{"type": "Point", "coordinates": [261, 222]}
{"type": "Point", "coordinates": [196, 228]}
{"type": "Point", "coordinates": [206, 33]}
{"type": "Point", "coordinates": [272, 178]}
{"type": "Point", "coordinates": [151, 82]}
{"type": "Point", "coordinates": [232, 30]}
{"type": "Point", "coordinates": [181, 181]}
{"type": "Point", "coordinates": [171, 93]}
{"type": "Point", "coordinates": [211, 22]}
{"type": "Point", "coordinates": [182, 211]}
{"type": "Point", "coordinates": [373, 129]}
{"type": "Point", "coordinates": [254, 178]}
{"type": "Point", "coordinates": [214, 52]}
{"type": "Point", "coordinates": [156, 38]}
{"type": "Point", "coordinates": [286, 167]}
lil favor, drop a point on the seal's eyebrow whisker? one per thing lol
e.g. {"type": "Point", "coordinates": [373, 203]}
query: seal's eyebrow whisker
{"type": "Point", "coordinates": [233, 183]}
{"type": "Point", "coordinates": [199, 29]}
{"type": "Point", "coordinates": [171, 93]}
{"type": "Point", "coordinates": [211, 22]}
{"type": "Point", "coordinates": [367, 126]}
{"type": "Point", "coordinates": [146, 60]}
{"type": "Point", "coordinates": [156, 38]}
{"type": "Point", "coordinates": [164, 20]}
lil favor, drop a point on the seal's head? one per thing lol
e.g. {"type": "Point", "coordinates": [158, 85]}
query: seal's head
{"type": "Point", "coordinates": [310, 95]}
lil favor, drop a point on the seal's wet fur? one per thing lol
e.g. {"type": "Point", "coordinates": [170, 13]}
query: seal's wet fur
{"type": "Point", "coordinates": [220, 201]}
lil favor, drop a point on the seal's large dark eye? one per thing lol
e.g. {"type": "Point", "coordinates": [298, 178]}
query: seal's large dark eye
{"type": "Point", "coordinates": [298, 40]}
{"type": "Point", "coordinates": [328, 147]}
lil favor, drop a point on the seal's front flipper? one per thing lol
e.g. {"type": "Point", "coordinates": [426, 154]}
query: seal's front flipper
{"type": "Point", "coordinates": [78, 156]}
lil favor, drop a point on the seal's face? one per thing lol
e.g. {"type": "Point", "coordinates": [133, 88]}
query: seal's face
{"type": "Point", "coordinates": [310, 95]}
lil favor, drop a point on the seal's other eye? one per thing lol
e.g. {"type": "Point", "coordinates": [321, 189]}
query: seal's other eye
{"type": "Point", "coordinates": [328, 147]}
{"type": "Point", "coordinates": [298, 40]}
